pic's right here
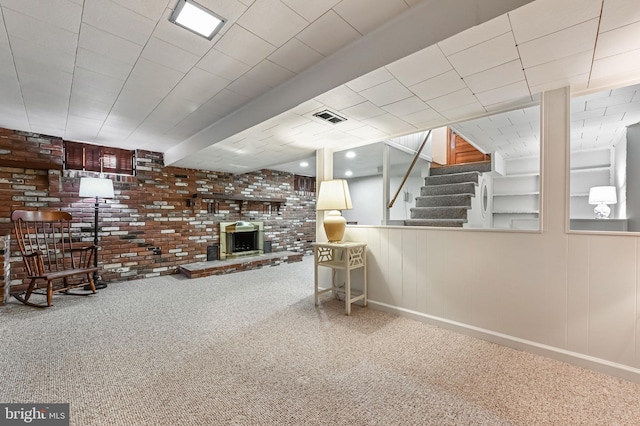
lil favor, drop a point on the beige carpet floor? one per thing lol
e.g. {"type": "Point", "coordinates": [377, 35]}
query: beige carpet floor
{"type": "Point", "coordinates": [251, 349]}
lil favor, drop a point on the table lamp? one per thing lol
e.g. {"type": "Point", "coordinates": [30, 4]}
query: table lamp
{"type": "Point", "coordinates": [334, 196]}
{"type": "Point", "coordinates": [601, 196]}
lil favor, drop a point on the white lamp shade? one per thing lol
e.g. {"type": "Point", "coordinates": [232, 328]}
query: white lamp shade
{"type": "Point", "coordinates": [334, 195]}
{"type": "Point", "coordinates": [603, 195]}
{"type": "Point", "coordinates": [96, 187]}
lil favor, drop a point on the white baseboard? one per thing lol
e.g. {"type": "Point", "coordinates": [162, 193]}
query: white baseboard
{"type": "Point", "coordinates": [596, 364]}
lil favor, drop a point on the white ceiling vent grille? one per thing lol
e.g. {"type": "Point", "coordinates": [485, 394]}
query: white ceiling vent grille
{"type": "Point", "coordinates": [329, 116]}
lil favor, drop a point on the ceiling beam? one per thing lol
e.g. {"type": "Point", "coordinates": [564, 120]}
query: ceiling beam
{"type": "Point", "coordinates": [421, 26]}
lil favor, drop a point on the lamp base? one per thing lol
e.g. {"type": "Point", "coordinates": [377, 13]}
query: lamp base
{"type": "Point", "coordinates": [334, 226]}
{"type": "Point", "coordinates": [602, 211]}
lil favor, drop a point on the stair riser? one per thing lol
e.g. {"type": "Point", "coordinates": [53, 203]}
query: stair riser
{"type": "Point", "coordinates": [439, 213]}
{"type": "Point", "coordinates": [444, 201]}
{"type": "Point", "coordinates": [453, 178]}
{"type": "Point", "coordinates": [460, 168]}
{"type": "Point", "coordinates": [434, 222]}
{"type": "Point", "coordinates": [457, 188]}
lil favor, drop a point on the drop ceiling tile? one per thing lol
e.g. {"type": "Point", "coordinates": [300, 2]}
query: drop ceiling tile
{"type": "Point", "coordinates": [88, 107]}
{"type": "Point", "coordinates": [96, 85]}
{"type": "Point", "coordinates": [618, 41]}
{"type": "Point", "coordinates": [420, 66]}
{"type": "Point", "coordinates": [254, 48]}
{"type": "Point", "coordinates": [427, 115]}
{"type": "Point", "coordinates": [573, 40]}
{"type": "Point", "coordinates": [150, 9]}
{"type": "Point", "coordinates": [340, 98]}
{"type": "Point", "coordinates": [370, 79]}
{"type": "Point", "coordinates": [577, 83]}
{"type": "Point", "coordinates": [390, 124]}
{"type": "Point", "coordinates": [199, 85]}
{"type": "Point", "coordinates": [363, 111]}
{"type": "Point", "coordinates": [448, 82]}
{"type": "Point", "coordinates": [610, 101]}
{"type": "Point", "coordinates": [61, 13]}
{"type": "Point", "coordinates": [48, 36]}
{"type": "Point", "coordinates": [631, 108]}
{"type": "Point", "coordinates": [311, 10]}
{"type": "Point", "coordinates": [368, 133]}
{"type": "Point", "coordinates": [613, 69]}
{"type": "Point", "coordinates": [117, 20]}
{"type": "Point", "coordinates": [560, 70]}
{"type": "Point", "coordinates": [386, 93]}
{"type": "Point", "coordinates": [476, 35]}
{"type": "Point", "coordinates": [453, 100]}
{"type": "Point", "coordinates": [503, 94]}
{"type": "Point", "coordinates": [248, 87]}
{"type": "Point", "coordinates": [108, 45]}
{"type": "Point", "coordinates": [168, 55]}
{"type": "Point", "coordinates": [618, 13]}
{"type": "Point", "coordinates": [178, 36]}
{"type": "Point", "coordinates": [328, 34]}
{"type": "Point", "coordinates": [93, 61]}
{"type": "Point", "coordinates": [154, 79]}
{"type": "Point", "coordinates": [272, 21]}
{"type": "Point", "coordinates": [295, 56]}
{"type": "Point", "coordinates": [378, 12]}
{"type": "Point", "coordinates": [544, 17]}
{"type": "Point", "coordinates": [36, 53]}
{"type": "Point", "coordinates": [488, 54]}
{"type": "Point", "coordinates": [502, 75]}
{"type": "Point", "coordinates": [406, 106]}
{"type": "Point", "coordinates": [270, 74]}
{"type": "Point", "coordinates": [222, 65]}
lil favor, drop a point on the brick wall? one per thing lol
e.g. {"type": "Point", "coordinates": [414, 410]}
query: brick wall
{"type": "Point", "coordinates": [155, 208]}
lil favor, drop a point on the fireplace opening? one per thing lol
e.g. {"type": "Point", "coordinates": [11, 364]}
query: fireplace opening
{"type": "Point", "coordinates": [241, 239]}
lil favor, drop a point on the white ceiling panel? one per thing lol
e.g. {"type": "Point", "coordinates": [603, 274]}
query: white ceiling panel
{"type": "Point", "coordinates": [311, 10]}
{"type": "Point", "coordinates": [420, 66]}
{"type": "Point", "coordinates": [93, 61]}
{"type": "Point", "coordinates": [199, 86]}
{"type": "Point", "coordinates": [328, 34]}
{"type": "Point", "coordinates": [448, 82]}
{"type": "Point", "coordinates": [503, 94]}
{"type": "Point", "coordinates": [270, 74]}
{"type": "Point", "coordinates": [619, 40]}
{"type": "Point", "coordinates": [223, 65]}
{"type": "Point", "coordinates": [48, 57]}
{"type": "Point", "coordinates": [109, 45]}
{"type": "Point", "coordinates": [485, 55]}
{"type": "Point", "coordinates": [254, 49]}
{"type": "Point", "coordinates": [543, 17]}
{"type": "Point", "coordinates": [476, 35]}
{"type": "Point", "coordinates": [369, 80]}
{"type": "Point", "coordinates": [618, 13]}
{"type": "Point", "coordinates": [378, 12]}
{"type": "Point", "coordinates": [154, 79]}
{"type": "Point", "coordinates": [496, 77]}
{"type": "Point", "coordinates": [61, 13]}
{"type": "Point", "coordinates": [363, 111]}
{"type": "Point", "coordinates": [607, 71]}
{"type": "Point", "coordinates": [573, 40]}
{"type": "Point", "coordinates": [117, 20]}
{"type": "Point", "coordinates": [248, 87]}
{"type": "Point", "coordinates": [387, 93]}
{"type": "Point", "coordinates": [555, 71]}
{"type": "Point", "coordinates": [273, 21]}
{"type": "Point", "coordinates": [406, 106]}
{"type": "Point", "coordinates": [453, 100]}
{"type": "Point", "coordinates": [168, 55]}
{"type": "Point", "coordinates": [340, 98]}
{"type": "Point", "coordinates": [295, 56]}
{"type": "Point", "coordinates": [427, 115]}
{"type": "Point", "coordinates": [49, 36]}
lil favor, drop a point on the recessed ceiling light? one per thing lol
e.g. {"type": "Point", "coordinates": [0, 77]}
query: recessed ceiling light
{"type": "Point", "coordinates": [348, 173]}
{"type": "Point", "coordinates": [304, 164]}
{"type": "Point", "coordinates": [196, 18]}
{"type": "Point", "coordinates": [350, 154]}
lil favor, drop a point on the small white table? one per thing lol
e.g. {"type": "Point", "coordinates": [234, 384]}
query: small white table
{"type": "Point", "coordinates": [345, 256]}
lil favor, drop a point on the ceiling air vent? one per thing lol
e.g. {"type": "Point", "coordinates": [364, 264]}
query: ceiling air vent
{"type": "Point", "coordinates": [329, 116]}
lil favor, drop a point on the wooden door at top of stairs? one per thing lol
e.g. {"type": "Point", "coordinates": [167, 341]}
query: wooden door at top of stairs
{"type": "Point", "coordinates": [460, 151]}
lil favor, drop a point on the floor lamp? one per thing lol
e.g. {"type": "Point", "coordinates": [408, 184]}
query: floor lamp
{"type": "Point", "coordinates": [99, 187]}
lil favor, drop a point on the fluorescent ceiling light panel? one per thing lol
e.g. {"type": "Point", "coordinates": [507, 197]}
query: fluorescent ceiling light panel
{"type": "Point", "coordinates": [196, 18]}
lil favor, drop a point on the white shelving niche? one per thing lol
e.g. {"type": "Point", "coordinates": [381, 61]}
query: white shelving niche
{"type": "Point", "coordinates": [516, 194]}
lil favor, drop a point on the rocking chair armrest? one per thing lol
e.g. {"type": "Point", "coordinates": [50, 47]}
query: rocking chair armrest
{"type": "Point", "coordinates": [84, 248]}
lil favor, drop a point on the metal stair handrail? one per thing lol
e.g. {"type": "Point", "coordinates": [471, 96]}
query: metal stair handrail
{"type": "Point", "coordinates": [413, 163]}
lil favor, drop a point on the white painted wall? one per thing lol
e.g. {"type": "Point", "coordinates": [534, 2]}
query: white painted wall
{"type": "Point", "coordinates": [569, 295]}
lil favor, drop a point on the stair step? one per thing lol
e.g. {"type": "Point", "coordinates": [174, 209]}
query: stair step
{"type": "Point", "coordinates": [449, 223]}
{"type": "Point", "coordinates": [452, 178]}
{"type": "Point", "coordinates": [439, 213]}
{"type": "Point", "coordinates": [448, 189]}
{"type": "Point", "coordinates": [483, 166]}
{"type": "Point", "coordinates": [458, 200]}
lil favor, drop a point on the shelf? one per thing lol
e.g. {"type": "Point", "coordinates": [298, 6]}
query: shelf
{"type": "Point", "coordinates": [516, 212]}
{"type": "Point", "coordinates": [212, 199]}
{"type": "Point", "coordinates": [517, 176]}
{"type": "Point", "coordinates": [591, 169]}
{"type": "Point", "coordinates": [515, 194]}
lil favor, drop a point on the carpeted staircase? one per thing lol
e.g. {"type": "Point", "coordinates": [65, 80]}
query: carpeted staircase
{"type": "Point", "coordinates": [446, 196]}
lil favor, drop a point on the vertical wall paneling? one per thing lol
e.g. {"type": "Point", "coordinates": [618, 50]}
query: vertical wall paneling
{"type": "Point", "coordinates": [422, 271]}
{"type": "Point", "coordinates": [578, 294]}
{"type": "Point", "coordinates": [612, 298]}
{"type": "Point", "coordinates": [409, 269]}
{"type": "Point", "coordinates": [434, 280]}
{"type": "Point", "coordinates": [395, 261]}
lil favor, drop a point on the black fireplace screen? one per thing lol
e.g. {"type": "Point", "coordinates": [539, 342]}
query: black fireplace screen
{"type": "Point", "coordinates": [242, 241]}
